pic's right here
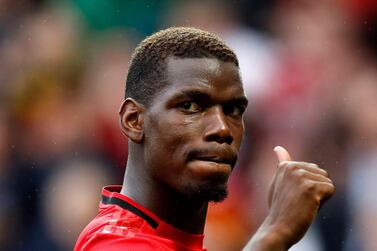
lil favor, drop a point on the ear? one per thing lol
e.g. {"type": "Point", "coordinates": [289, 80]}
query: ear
{"type": "Point", "coordinates": [132, 119]}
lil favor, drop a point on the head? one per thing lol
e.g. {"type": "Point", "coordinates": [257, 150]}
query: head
{"type": "Point", "coordinates": [183, 111]}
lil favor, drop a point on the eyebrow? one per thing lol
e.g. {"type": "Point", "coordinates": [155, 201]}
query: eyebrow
{"type": "Point", "coordinates": [192, 94]}
{"type": "Point", "coordinates": [241, 101]}
{"type": "Point", "coordinates": [200, 95]}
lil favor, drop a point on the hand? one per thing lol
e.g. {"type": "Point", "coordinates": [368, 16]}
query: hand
{"type": "Point", "coordinates": [297, 192]}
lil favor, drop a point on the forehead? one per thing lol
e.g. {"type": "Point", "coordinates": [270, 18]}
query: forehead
{"type": "Point", "coordinates": [207, 74]}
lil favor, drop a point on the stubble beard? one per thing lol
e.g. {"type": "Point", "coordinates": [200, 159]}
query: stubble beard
{"type": "Point", "coordinates": [206, 192]}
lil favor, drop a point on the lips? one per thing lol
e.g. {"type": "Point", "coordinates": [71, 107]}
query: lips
{"type": "Point", "coordinates": [223, 157]}
{"type": "Point", "coordinates": [215, 159]}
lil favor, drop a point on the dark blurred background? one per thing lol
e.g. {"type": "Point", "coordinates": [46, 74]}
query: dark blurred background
{"type": "Point", "coordinates": [309, 69]}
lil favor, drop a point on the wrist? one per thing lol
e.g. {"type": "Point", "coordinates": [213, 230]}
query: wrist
{"type": "Point", "coordinates": [268, 238]}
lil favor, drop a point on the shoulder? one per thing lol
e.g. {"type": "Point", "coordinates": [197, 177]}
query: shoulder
{"type": "Point", "coordinates": [117, 231]}
{"type": "Point", "coordinates": [114, 242]}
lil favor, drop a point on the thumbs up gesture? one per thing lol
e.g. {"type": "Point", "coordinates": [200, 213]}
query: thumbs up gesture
{"type": "Point", "coordinates": [296, 193]}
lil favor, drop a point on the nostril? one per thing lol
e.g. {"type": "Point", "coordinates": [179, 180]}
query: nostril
{"type": "Point", "coordinates": [220, 138]}
{"type": "Point", "coordinates": [228, 140]}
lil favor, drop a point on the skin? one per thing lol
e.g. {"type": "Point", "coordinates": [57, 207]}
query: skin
{"type": "Point", "coordinates": [296, 194]}
{"type": "Point", "coordinates": [184, 146]}
{"type": "Point", "coordinates": [186, 140]}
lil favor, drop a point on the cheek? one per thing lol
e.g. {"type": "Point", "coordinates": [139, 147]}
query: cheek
{"type": "Point", "coordinates": [173, 134]}
{"type": "Point", "coordinates": [169, 143]}
{"type": "Point", "coordinates": [182, 133]}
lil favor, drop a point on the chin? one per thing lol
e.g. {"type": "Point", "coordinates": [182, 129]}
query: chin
{"type": "Point", "coordinates": [207, 192]}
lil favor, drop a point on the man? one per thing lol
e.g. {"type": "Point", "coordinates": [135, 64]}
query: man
{"type": "Point", "coordinates": [183, 117]}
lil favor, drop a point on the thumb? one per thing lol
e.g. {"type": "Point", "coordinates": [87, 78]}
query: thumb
{"type": "Point", "coordinates": [282, 154]}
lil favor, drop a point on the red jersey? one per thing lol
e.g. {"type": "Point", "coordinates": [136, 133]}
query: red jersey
{"type": "Point", "coordinates": [123, 224]}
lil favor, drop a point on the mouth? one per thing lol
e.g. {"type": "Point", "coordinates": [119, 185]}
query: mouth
{"type": "Point", "coordinates": [215, 159]}
{"type": "Point", "coordinates": [228, 158]}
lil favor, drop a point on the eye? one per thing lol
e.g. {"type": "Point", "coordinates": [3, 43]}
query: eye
{"type": "Point", "coordinates": [190, 107]}
{"type": "Point", "coordinates": [234, 110]}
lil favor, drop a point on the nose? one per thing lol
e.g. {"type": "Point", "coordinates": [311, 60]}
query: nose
{"type": "Point", "coordinates": [217, 128]}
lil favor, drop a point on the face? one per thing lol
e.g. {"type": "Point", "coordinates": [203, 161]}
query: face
{"type": "Point", "coordinates": [193, 129]}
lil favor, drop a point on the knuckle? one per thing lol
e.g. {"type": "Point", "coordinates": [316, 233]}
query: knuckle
{"type": "Point", "coordinates": [329, 181]}
{"type": "Point", "coordinates": [291, 166]}
{"type": "Point", "coordinates": [315, 165]}
{"type": "Point", "coordinates": [309, 186]}
{"type": "Point", "coordinates": [326, 191]}
{"type": "Point", "coordinates": [284, 164]}
{"type": "Point", "coordinates": [323, 172]}
{"type": "Point", "coordinates": [300, 173]}
{"type": "Point", "coordinates": [331, 188]}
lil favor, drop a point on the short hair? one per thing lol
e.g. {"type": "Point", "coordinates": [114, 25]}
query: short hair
{"type": "Point", "coordinates": [147, 70]}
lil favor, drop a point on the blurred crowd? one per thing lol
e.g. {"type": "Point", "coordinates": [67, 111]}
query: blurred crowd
{"type": "Point", "coordinates": [309, 69]}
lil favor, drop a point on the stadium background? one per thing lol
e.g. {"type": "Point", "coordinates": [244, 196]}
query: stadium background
{"type": "Point", "coordinates": [309, 70]}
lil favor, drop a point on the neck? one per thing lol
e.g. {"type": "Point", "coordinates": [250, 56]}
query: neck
{"type": "Point", "coordinates": [170, 206]}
